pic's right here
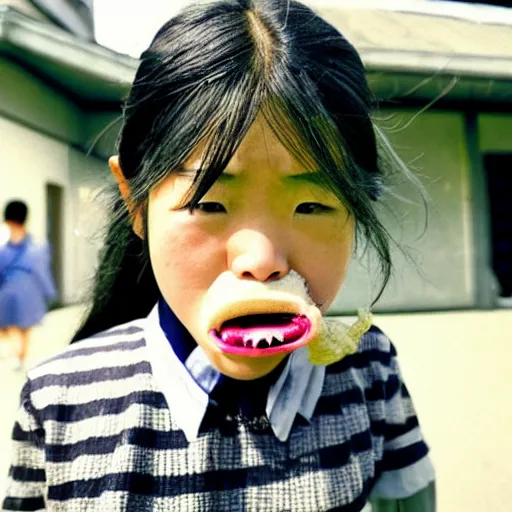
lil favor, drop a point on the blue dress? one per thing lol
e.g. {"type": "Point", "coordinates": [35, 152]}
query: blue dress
{"type": "Point", "coordinates": [26, 283]}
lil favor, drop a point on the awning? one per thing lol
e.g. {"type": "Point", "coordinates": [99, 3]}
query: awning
{"type": "Point", "coordinates": [406, 54]}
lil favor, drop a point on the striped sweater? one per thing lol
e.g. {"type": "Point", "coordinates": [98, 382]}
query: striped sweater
{"type": "Point", "coordinates": [95, 432]}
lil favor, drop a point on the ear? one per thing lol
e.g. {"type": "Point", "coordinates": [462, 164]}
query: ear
{"type": "Point", "coordinates": [126, 194]}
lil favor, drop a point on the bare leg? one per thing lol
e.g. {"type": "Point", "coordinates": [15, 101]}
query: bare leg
{"type": "Point", "coordinates": [5, 346]}
{"type": "Point", "coordinates": [24, 343]}
{"type": "Point", "coordinates": [19, 341]}
{"type": "Point", "coordinates": [14, 338]}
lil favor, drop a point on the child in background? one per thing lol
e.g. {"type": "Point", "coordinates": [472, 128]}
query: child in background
{"type": "Point", "coordinates": [247, 167]}
{"type": "Point", "coordinates": [26, 282]}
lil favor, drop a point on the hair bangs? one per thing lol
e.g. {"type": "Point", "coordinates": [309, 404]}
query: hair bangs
{"type": "Point", "coordinates": [309, 133]}
{"type": "Point", "coordinates": [236, 111]}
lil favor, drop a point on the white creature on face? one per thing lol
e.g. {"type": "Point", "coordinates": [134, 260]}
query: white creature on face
{"type": "Point", "coordinates": [255, 319]}
{"type": "Point", "coordinates": [337, 339]}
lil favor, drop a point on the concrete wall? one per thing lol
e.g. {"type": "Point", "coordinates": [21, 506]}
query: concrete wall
{"type": "Point", "coordinates": [440, 272]}
{"type": "Point", "coordinates": [495, 132]}
{"type": "Point", "coordinates": [28, 162]}
{"type": "Point", "coordinates": [457, 369]}
{"type": "Point", "coordinates": [29, 101]}
{"type": "Point", "coordinates": [39, 133]}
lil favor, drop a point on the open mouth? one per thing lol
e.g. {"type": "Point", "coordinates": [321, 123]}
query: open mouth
{"type": "Point", "coordinates": [263, 334]}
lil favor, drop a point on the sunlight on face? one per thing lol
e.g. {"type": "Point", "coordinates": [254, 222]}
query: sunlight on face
{"type": "Point", "coordinates": [267, 215]}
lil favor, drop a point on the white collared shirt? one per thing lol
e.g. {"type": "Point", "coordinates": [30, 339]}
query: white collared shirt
{"type": "Point", "coordinates": [296, 391]}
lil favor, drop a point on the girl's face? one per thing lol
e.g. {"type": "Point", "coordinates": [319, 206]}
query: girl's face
{"type": "Point", "coordinates": [265, 216]}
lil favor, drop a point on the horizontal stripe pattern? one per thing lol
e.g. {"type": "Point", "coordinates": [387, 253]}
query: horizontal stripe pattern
{"type": "Point", "coordinates": [24, 474]}
{"type": "Point", "coordinates": [114, 338]}
{"type": "Point", "coordinates": [26, 504]}
{"type": "Point", "coordinates": [79, 361]}
{"type": "Point", "coordinates": [77, 395]}
{"type": "Point", "coordinates": [20, 489]}
{"type": "Point", "coordinates": [82, 378]}
{"type": "Point", "coordinates": [404, 457]}
{"type": "Point", "coordinates": [72, 413]}
{"type": "Point", "coordinates": [95, 432]}
{"type": "Point", "coordinates": [142, 438]}
{"type": "Point", "coordinates": [19, 434]}
{"type": "Point", "coordinates": [26, 480]}
{"type": "Point", "coordinates": [118, 347]}
{"type": "Point", "coordinates": [122, 330]}
{"type": "Point", "coordinates": [74, 358]}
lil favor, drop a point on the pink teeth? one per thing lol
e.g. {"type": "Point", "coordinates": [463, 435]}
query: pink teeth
{"type": "Point", "coordinates": [265, 332]}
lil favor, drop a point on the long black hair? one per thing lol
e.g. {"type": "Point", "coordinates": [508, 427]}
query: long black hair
{"type": "Point", "coordinates": [206, 76]}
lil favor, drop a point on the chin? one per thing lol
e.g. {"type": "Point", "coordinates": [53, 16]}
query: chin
{"type": "Point", "coordinates": [246, 368]}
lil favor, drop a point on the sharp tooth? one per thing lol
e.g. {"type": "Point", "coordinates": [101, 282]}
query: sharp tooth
{"type": "Point", "coordinates": [268, 339]}
{"type": "Point", "coordinates": [264, 341]}
{"type": "Point", "coordinates": [279, 337]}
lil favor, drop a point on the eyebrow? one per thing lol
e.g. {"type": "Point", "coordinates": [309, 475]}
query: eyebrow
{"type": "Point", "coordinates": [192, 174]}
{"type": "Point", "coordinates": [312, 177]}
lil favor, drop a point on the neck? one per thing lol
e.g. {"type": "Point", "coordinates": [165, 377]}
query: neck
{"type": "Point", "coordinates": [18, 233]}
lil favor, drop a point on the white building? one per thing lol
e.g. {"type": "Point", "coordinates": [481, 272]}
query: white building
{"type": "Point", "coordinates": [59, 91]}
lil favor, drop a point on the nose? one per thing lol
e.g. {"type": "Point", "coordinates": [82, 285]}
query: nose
{"type": "Point", "coordinates": [255, 255]}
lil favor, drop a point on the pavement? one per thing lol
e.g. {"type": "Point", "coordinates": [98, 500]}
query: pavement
{"type": "Point", "coordinates": [457, 366]}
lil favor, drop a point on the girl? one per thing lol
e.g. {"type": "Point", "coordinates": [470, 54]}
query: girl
{"type": "Point", "coordinates": [247, 167]}
{"type": "Point", "coordinates": [26, 283]}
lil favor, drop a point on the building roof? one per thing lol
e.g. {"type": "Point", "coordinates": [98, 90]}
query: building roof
{"type": "Point", "coordinates": [85, 70]}
{"type": "Point", "coordinates": [481, 12]}
{"type": "Point", "coordinates": [420, 41]}
{"type": "Point", "coordinates": [74, 16]}
{"type": "Point", "coordinates": [406, 53]}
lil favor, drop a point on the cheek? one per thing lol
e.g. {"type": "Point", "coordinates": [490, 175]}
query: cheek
{"type": "Point", "coordinates": [325, 263]}
{"type": "Point", "coordinates": [185, 259]}
{"type": "Point", "coordinates": [326, 279]}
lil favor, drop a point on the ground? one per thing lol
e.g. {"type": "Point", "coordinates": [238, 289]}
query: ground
{"type": "Point", "coordinates": [458, 367]}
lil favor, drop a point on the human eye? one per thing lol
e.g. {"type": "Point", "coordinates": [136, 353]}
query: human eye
{"type": "Point", "coordinates": [311, 208]}
{"type": "Point", "coordinates": [209, 207]}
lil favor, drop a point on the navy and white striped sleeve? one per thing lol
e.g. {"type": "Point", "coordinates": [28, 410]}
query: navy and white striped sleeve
{"type": "Point", "coordinates": [26, 482]}
{"type": "Point", "coordinates": [405, 468]}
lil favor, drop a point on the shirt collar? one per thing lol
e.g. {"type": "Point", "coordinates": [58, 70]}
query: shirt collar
{"type": "Point", "coordinates": [296, 391]}
{"type": "Point", "coordinates": [176, 333]}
